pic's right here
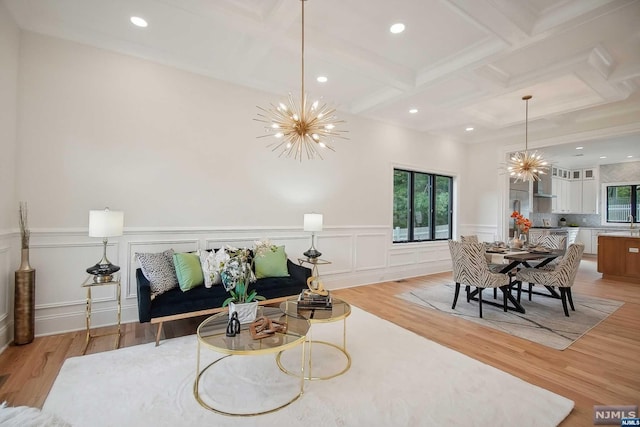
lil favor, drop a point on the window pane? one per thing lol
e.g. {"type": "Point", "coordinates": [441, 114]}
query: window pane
{"type": "Point", "coordinates": [401, 189]}
{"type": "Point", "coordinates": [443, 207]}
{"type": "Point", "coordinates": [618, 203]}
{"type": "Point", "coordinates": [422, 207]}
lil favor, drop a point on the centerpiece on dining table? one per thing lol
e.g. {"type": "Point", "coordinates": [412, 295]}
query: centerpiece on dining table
{"type": "Point", "coordinates": [521, 228]}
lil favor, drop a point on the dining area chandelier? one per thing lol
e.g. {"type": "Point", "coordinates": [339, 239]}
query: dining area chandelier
{"type": "Point", "coordinates": [302, 128]}
{"type": "Point", "coordinates": [523, 165]}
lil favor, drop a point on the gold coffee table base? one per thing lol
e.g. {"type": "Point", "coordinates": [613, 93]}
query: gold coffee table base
{"type": "Point", "coordinates": [205, 405]}
{"type": "Point", "coordinates": [340, 310]}
{"type": "Point", "coordinates": [310, 376]}
{"type": "Point", "coordinates": [211, 335]}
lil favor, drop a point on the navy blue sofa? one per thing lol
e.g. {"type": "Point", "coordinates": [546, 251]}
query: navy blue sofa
{"type": "Point", "coordinates": [175, 304]}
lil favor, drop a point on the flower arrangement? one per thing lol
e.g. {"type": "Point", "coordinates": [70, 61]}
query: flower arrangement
{"type": "Point", "coordinates": [236, 271]}
{"type": "Point", "coordinates": [522, 223]}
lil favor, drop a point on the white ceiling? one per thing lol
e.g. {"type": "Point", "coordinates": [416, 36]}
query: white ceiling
{"type": "Point", "coordinates": [460, 62]}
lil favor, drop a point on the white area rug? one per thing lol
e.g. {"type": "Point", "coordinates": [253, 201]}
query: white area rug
{"type": "Point", "coordinates": [25, 416]}
{"type": "Point", "coordinates": [544, 321]}
{"type": "Point", "coordinates": [397, 378]}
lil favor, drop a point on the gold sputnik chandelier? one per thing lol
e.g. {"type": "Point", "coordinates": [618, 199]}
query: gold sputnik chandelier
{"type": "Point", "coordinates": [525, 166]}
{"type": "Point", "coordinates": [299, 129]}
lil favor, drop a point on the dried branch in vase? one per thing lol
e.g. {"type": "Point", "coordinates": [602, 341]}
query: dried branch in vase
{"type": "Point", "coordinates": [24, 225]}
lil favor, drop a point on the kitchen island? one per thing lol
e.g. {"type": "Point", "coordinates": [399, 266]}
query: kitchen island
{"type": "Point", "coordinates": [619, 256]}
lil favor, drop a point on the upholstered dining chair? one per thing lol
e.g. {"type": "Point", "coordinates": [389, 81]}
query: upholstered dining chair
{"type": "Point", "coordinates": [470, 268]}
{"type": "Point", "coordinates": [549, 241]}
{"type": "Point", "coordinates": [496, 268]}
{"type": "Point", "coordinates": [562, 276]}
{"type": "Point", "coordinates": [552, 241]}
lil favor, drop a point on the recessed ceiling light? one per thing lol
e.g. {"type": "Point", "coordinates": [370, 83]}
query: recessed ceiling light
{"type": "Point", "coordinates": [397, 28]}
{"type": "Point", "coordinates": [603, 157]}
{"type": "Point", "coordinates": [138, 22]}
{"type": "Point", "coordinates": [469, 129]}
{"type": "Point", "coordinates": [322, 79]}
{"type": "Point", "coordinates": [628, 157]}
{"type": "Point", "coordinates": [579, 148]}
{"type": "Point", "coordinates": [413, 110]}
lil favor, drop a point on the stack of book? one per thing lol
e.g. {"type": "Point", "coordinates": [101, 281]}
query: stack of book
{"type": "Point", "coordinates": [308, 300]}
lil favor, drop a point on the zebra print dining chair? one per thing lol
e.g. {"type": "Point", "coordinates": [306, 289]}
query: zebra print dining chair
{"type": "Point", "coordinates": [549, 241]}
{"type": "Point", "coordinates": [470, 268]}
{"type": "Point", "coordinates": [562, 276]}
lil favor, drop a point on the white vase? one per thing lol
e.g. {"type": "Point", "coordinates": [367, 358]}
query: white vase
{"type": "Point", "coordinates": [246, 311]}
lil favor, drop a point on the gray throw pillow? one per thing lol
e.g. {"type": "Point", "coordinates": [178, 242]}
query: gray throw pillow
{"type": "Point", "coordinates": [159, 270]}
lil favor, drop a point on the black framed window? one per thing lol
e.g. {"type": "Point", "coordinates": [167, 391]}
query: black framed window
{"type": "Point", "coordinates": [623, 201]}
{"type": "Point", "coordinates": [422, 206]}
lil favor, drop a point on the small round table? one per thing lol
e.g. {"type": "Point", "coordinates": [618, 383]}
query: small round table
{"type": "Point", "coordinates": [340, 310]}
{"type": "Point", "coordinates": [211, 334]}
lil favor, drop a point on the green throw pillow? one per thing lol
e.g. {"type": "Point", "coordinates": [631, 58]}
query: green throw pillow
{"type": "Point", "coordinates": [188, 270]}
{"type": "Point", "coordinates": [271, 264]}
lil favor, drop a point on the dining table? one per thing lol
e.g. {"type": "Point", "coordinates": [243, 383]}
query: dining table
{"type": "Point", "coordinates": [512, 259]}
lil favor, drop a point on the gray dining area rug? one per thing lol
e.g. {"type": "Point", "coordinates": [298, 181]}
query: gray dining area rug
{"type": "Point", "coordinates": [544, 321]}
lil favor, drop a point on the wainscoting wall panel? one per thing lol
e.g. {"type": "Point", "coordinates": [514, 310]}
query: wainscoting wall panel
{"type": "Point", "coordinates": [337, 248]}
{"type": "Point", "coordinates": [366, 254]}
{"type": "Point", "coordinates": [358, 254]}
{"type": "Point", "coordinates": [5, 297]}
{"type": "Point", "coordinates": [4, 288]}
{"type": "Point", "coordinates": [9, 251]}
{"type": "Point", "coordinates": [485, 233]}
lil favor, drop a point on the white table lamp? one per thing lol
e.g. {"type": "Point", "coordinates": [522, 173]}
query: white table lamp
{"type": "Point", "coordinates": [312, 223]}
{"type": "Point", "coordinates": [105, 223]}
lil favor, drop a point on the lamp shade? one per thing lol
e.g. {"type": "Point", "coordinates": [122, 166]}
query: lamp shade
{"type": "Point", "coordinates": [312, 222]}
{"type": "Point", "coordinates": [106, 223]}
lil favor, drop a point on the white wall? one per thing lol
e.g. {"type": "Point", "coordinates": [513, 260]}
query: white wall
{"type": "Point", "coordinates": [484, 184]}
{"type": "Point", "coordinates": [178, 153]}
{"type": "Point", "coordinates": [9, 49]}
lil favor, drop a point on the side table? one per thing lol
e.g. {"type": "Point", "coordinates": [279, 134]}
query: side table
{"type": "Point", "coordinates": [314, 283]}
{"type": "Point", "coordinates": [89, 284]}
{"type": "Point", "coordinates": [340, 310]}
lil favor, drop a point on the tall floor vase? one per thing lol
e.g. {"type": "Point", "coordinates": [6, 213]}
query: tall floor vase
{"type": "Point", "coordinates": [24, 308]}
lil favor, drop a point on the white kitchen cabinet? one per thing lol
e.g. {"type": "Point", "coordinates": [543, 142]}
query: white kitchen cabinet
{"type": "Point", "coordinates": [561, 189]}
{"type": "Point", "coordinates": [572, 235]}
{"type": "Point", "coordinates": [589, 197]}
{"type": "Point", "coordinates": [575, 196]}
{"type": "Point", "coordinates": [590, 173]}
{"type": "Point", "coordinates": [584, 236]}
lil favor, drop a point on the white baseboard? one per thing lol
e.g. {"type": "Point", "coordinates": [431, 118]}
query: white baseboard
{"type": "Point", "coordinates": [72, 321]}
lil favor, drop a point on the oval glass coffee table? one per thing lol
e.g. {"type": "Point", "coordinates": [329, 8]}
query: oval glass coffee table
{"type": "Point", "coordinates": [211, 334]}
{"type": "Point", "coordinates": [340, 310]}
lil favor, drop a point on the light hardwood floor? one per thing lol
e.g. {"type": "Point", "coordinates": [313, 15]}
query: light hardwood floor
{"type": "Point", "coordinates": [600, 368]}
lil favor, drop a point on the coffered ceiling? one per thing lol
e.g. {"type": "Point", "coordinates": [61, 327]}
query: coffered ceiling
{"type": "Point", "coordinates": [460, 63]}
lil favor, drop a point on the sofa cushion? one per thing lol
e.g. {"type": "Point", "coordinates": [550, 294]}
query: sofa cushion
{"type": "Point", "coordinates": [188, 270]}
{"type": "Point", "coordinates": [271, 263]}
{"type": "Point", "coordinates": [158, 269]}
{"type": "Point", "coordinates": [176, 302]}
{"type": "Point", "coordinates": [207, 263]}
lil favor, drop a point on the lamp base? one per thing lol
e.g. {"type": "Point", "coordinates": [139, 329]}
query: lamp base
{"type": "Point", "coordinates": [312, 253]}
{"type": "Point", "coordinates": [103, 273]}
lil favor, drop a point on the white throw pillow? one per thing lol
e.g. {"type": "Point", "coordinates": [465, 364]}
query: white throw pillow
{"type": "Point", "coordinates": [207, 260]}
